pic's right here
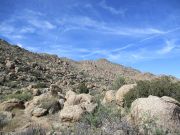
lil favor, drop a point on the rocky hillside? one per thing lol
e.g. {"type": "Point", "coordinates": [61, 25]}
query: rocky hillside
{"type": "Point", "coordinates": [103, 68]}
{"type": "Point", "coordinates": [44, 94]}
{"type": "Point", "coordinates": [19, 68]}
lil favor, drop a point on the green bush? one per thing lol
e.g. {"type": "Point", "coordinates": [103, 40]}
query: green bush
{"type": "Point", "coordinates": [120, 81]}
{"type": "Point", "coordinates": [101, 113]}
{"type": "Point", "coordinates": [23, 96]}
{"type": "Point", "coordinates": [158, 87]}
{"type": "Point", "coordinates": [47, 103]}
{"type": "Point", "coordinates": [83, 88]}
{"type": "Point", "coordinates": [39, 85]}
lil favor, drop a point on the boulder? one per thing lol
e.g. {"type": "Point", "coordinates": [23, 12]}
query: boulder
{"type": "Point", "coordinates": [10, 64]}
{"type": "Point", "coordinates": [161, 113]}
{"type": "Point", "coordinates": [71, 113]}
{"type": "Point", "coordinates": [84, 98]}
{"type": "Point", "coordinates": [11, 104]}
{"type": "Point", "coordinates": [39, 112]}
{"type": "Point", "coordinates": [70, 98]}
{"type": "Point", "coordinates": [74, 99]}
{"type": "Point", "coordinates": [75, 105]}
{"type": "Point", "coordinates": [121, 93]}
{"type": "Point", "coordinates": [36, 92]}
{"type": "Point", "coordinates": [109, 97]}
{"type": "Point", "coordinates": [171, 100]}
{"type": "Point", "coordinates": [46, 102]}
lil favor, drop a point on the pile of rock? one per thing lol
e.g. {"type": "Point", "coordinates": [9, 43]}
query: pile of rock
{"type": "Point", "coordinates": [75, 106]}
{"type": "Point", "coordinates": [118, 96]}
{"type": "Point", "coordinates": [42, 105]}
{"type": "Point", "coordinates": [71, 106]}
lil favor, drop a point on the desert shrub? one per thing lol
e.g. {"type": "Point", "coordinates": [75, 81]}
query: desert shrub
{"type": "Point", "coordinates": [23, 96]}
{"type": "Point", "coordinates": [101, 113]}
{"type": "Point", "coordinates": [48, 103]}
{"type": "Point", "coordinates": [40, 85]}
{"type": "Point", "coordinates": [11, 84]}
{"type": "Point", "coordinates": [36, 73]}
{"type": "Point", "coordinates": [3, 121]}
{"type": "Point", "coordinates": [149, 125]}
{"type": "Point", "coordinates": [158, 87]}
{"type": "Point", "coordinates": [120, 81]}
{"type": "Point", "coordinates": [83, 88]}
{"type": "Point", "coordinates": [105, 120]}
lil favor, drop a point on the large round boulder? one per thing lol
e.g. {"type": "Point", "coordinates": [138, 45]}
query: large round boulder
{"type": "Point", "coordinates": [70, 98]}
{"type": "Point", "coordinates": [122, 92]}
{"type": "Point", "coordinates": [158, 113]}
{"type": "Point", "coordinates": [71, 113]}
{"type": "Point", "coordinates": [42, 105]}
{"type": "Point", "coordinates": [109, 97]}
{"type": "Point", "coordinates": [39, 112]}
{"type": "Point", "coordinates": [74, 99]}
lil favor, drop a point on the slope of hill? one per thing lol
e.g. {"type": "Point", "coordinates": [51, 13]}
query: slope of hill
{"type": "Point", "coordinates": [104, 68]}
{"type": "Point", "coordinates": [20, 68]}
{"type": "Point", "coordinates": [44, 89]}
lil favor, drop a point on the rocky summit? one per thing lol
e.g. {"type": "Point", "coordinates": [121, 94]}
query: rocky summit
{"type": "Point", "coordinates": [46, 94]}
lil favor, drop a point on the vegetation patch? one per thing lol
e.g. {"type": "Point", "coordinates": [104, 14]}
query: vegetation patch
{"type": "Point", "coordinates": [47, 103]}
{"type": "Point", "coordinates": [83, 88]}
{"type": "Point", "coordinates": [120, 81]}
{"type": "Point", "coordinates": [23, 96]}
{"type": "Point", "coordinates": [40, 85]}
{"type": "Point", "coordinates": [157, 87]}
{"type": "Point", "coordinates": [102, 113]}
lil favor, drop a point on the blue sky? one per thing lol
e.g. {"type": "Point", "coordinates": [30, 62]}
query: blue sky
{"type": "Point", "coordinates": [143, 34]}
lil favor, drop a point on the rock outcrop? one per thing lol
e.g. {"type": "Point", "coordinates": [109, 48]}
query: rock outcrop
{"type": "Point", "coordinates": [41, 105]}
{"type": "Point", "coordinates": [71, 113]}
{"type": "Point", "coordinates": [121, 93]}
{"type": "Point", "coordinates": [157, 113]}
{"type": "Point", "coordinates": [117, 96]}
{"type": "Point", "coordinates": [109, 96]}
{"type": "Point", "coordinates": [75, 106]}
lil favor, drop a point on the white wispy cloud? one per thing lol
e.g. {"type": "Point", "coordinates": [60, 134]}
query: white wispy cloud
{"type": "Point", "coordinates": [168, 47]}
{"type": "Point", "coordinates": [42, 24]}
{"type": "Point", "coordinates": [6, 29]}
{"type": "Point", "coordinates": [104, 5]}
{"type": "Point", "coordinates": [10, 31]}
{"type": "Point", "coordinates": [36, 20]}
{"type": "Point", "coordinates": [27, 29]}
{"type": "Point", "coordinates": [87, 23]}
{"type": "Point", "coordinates": [32, 22]}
